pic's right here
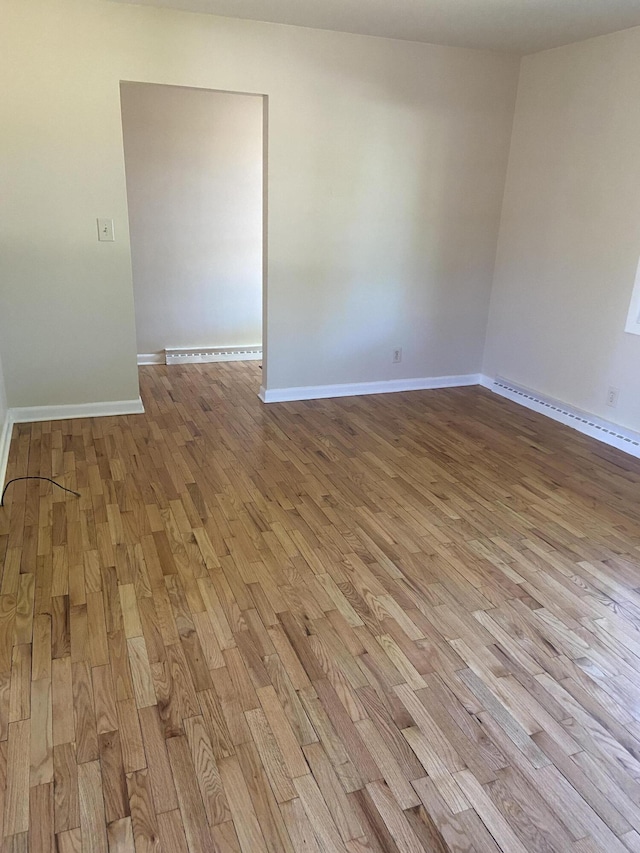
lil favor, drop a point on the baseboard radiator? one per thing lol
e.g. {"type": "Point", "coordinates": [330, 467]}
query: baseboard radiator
{"type": "Point", "coordinates": [568, 414]}
{"type": "Point", "coordinates": [201, 355]}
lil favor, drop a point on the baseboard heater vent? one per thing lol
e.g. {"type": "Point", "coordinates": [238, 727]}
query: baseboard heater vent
{"type": "Point", "coordinates": [200, 355]}
{"type": "Point", "coordinates": [561, 413]}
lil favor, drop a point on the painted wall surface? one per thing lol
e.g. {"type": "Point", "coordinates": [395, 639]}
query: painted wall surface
{"type": "Point", "coordinates": [3, 399]}
{"type": "Point", "coordinates": [570, 234]}
{"type": "Point", "coordinates": [193, 161]}
{"type": "Point", "coordinates": [386, 165]}
{"type": "Point", "coordinates": [5, 434]}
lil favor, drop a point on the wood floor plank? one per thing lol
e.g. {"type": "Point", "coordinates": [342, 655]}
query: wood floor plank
{"type": "Point", "coordinates": [41, 822]}
{"type": "Point", "coordinates": [65, 788]}
{"type": "Point", "coordinates": [333, 793]}
{"type": "Point", "coordinates": [114, 782]}
{"type": "Point", "coordinates": [63, 711]}
{"type": "Point", "coordinates": [41, 771]}
{"type": "Point", "coordinates": [133, 754]}
{"type": "Point", "coordinates": [171, 832]}
{"type": "Point", "coordinates": [270, 755]}
{"type": "Point", "coordinates": [244, 815]}
{"type": "Point", "coordinates": [394, 818]}
{"type": "Point", "coordinates": [141, 672]}
{"type": "Point", "coordinates": [160, 776]}
{"type": "Point", "coordinates": [300, 830]}
{"type": "Point", "coordinates": [86, 735]}
{"type": "Point", "coordinates": [190, 801]}
{"type": "Point", "coordinates": [92, 814]}
{"type": "Point", "coordinates": [104, 699]}
{"type": "Point", "coordinates": [16, 800]}
{"type": "Point", "coordinates": [20, 694]}
{"type": "Point", "coordinates": [206, 771]}
{"type": "Point", "coordinates": [268, 812]}
{"type": "Point", "coordinates": [143, 814]}
{"type": "Point", "coordinates": [120, 836]}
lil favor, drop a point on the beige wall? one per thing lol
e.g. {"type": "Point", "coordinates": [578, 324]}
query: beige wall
{"type": "Point", "coordinates": [386, 168]}
{"type": "Point", "coordinates": [3, 401]}
{"type": "Point", "coordinates": [570, 234]}
{"type": "Point", "coordinates": [193, 162]}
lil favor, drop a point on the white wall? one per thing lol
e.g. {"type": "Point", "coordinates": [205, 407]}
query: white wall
{"type": "Point", "coordinates": [193, 162]}
{"type": "Point", "coordinates": [3, 400]}
{"type": "Point", "coordinates": [570, 234]}
{"type": "Point", "coordinates": [5, 431]}
{"type": "Point", "coordinates": [386, 168]}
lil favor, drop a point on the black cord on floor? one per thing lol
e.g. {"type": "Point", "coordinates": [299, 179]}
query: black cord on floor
{"type": "Point", "coordinates": [48, 479]}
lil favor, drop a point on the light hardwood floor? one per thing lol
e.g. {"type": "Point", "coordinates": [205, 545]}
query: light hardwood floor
{"type": "Point", "coordinates": [397, 623]}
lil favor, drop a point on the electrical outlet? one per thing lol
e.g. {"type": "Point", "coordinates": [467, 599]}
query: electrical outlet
{"type": "Point", "coordinates": [397, 355]}
{"type": "Point", "coordinates": [612, 397]}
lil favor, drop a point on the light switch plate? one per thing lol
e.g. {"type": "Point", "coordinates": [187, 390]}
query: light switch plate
{"type": "Point", "coordinates": [105, 230]}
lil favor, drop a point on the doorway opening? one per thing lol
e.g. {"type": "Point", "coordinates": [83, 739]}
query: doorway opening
{"type": "Point", "coordinates": [196, 193]}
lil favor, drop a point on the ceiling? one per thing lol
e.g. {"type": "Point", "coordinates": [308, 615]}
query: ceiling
{"type": "Point", "coordinates": [519, 26]}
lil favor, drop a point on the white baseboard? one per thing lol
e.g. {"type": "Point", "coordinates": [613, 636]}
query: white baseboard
{"type": "Point", "coordinates": [584, 422]}
{"type": "Point", "coordinates": [355, 389]}
{"type": "Point", "coordinates": [5, 443]}
{"type": "Point", "coordinates": [30, 414]}
{"type": "Point", "coordinates": [151, 357]}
